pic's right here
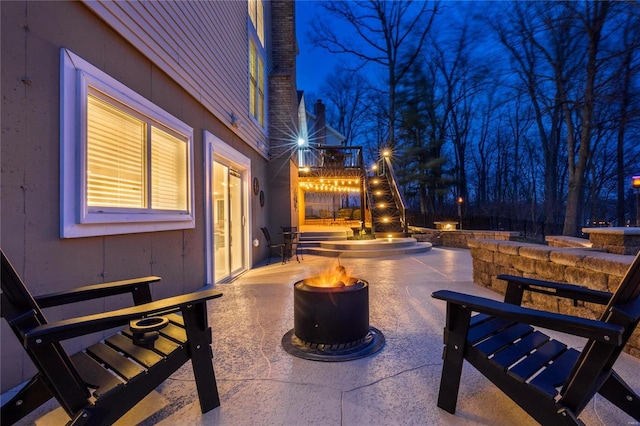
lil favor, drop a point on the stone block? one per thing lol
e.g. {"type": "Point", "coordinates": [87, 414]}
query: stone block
{"type": "Point", "coordinates": [499, 286]}
{"type": "Point", "coordinates": [534, 251]}
{"type": "Point", "coordinates": [508, 247]}
{"type": "Point", "coordinates": [611, 264]}
{"type": "Point", "coordinates": [566, 306]}
{"type": "Point", "coordinates": [490, 245]}
{"type": "Point", "coordinates": [481, 254]}
{"type": "Point", "coordinates": [503, 259]}
{"type": "Point", "coordinates": [473, 243]}
{"type": "Point", "coordinates": [481, 278]}
{"type": "Point", "coordinates": [545, 302]}
{"type": "Point", "coordinates": [550, 271]}
{"type": "Point", "coordinates": [591, 279]}
{"type": "Point", "coordinates": [567, 258]}
{"type": "Point", "coordinates": [524, 264]}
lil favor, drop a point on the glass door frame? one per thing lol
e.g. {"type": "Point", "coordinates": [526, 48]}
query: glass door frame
{"type": "Point", "coordinates": [216, 149]}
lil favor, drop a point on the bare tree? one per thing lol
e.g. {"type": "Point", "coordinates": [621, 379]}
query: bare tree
{"type": "Point", "coordinates": [517, 35]}
{"type": "Point", "coordinates": [346, 93]}
{"type": "Point", "coordinates": [382, 32]}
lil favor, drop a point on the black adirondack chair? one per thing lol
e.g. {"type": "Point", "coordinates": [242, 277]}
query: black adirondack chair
{"type": "Point", "coordinates": [101, 383]}
{"type": "Point", "coordinates": [551, 382]}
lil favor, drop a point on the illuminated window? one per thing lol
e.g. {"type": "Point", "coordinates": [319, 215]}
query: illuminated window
{"type": "Point", "coordinates": [256, 86]}
{"type": "Point", "coordinates": [257, 57]}
{"type": "Point", "coordinates": [257, 20]}
{"type": "Point", "coordinates": [126, 165]}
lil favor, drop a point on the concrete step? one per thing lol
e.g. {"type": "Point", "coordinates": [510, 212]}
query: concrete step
{"type": "Point", "coordinates": [326, 235]}
{"type": "Point", "coordinates": [368, 248]}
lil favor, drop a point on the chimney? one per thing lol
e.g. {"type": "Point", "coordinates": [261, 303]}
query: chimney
{"type": "Point", "coordinates": [321, 123]}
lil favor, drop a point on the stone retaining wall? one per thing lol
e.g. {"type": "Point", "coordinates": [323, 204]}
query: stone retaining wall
{"type": "Point", "coordinates": [563, 241]}
{"type": "Point", "coordinates": [593, 269]}
{"type": "Point", "coordinates": [458, 238]}
{"type": "Point", "coordinates": [619, 240]}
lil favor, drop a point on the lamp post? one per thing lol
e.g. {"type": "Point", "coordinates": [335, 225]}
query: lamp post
{"type": "Point", "coordinates": [635, 183]}
{"type": "Point", "coordinates": [460, 201]}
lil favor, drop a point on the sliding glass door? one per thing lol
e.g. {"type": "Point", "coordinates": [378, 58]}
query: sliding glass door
{"type": "Point", "coordinates": [228, 221]}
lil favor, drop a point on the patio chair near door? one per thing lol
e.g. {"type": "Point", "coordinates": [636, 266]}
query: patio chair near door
{"type": "Point", "coordinates": [279, 247]}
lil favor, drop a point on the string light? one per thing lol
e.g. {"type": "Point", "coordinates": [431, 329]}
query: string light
{"type": "Point", "coordinates": [333, 185]}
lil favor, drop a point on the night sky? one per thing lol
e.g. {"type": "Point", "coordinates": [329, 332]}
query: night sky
{"type": "Point", "coordinates": [313, 64]}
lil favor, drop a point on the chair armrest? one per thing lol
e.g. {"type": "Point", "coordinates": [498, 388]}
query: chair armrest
{"type": "Point", "coordinates": [74, 327]}
{"type": "Point", "coordinates": [568, 291]}
{"type": "Point", "coordinates": [592, 329]}
{"type": "Point", "coordinates": [139, 287]}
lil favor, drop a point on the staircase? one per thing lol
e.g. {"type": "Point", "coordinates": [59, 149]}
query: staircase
{"type": "Point", "coordinates": [386, 215]}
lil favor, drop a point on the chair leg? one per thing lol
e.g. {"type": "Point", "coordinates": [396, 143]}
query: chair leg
{"type": "Point", "coordinates": [31, 396]}
{"type": "Point", "coordinates": [621, 395]}
{"type": "Point", "coordinates": [455, 341]}
{"type": "Point", "coordinates": [199, 341]}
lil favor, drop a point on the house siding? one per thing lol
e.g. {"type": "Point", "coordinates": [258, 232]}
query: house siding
{"type": "Point", "coordinates": [32, 35]}
{"type": "Point", "coordinates": [203, 46]}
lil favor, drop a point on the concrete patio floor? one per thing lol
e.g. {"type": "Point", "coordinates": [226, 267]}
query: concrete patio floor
{"type": "Point", "coordinates": [261, 384]}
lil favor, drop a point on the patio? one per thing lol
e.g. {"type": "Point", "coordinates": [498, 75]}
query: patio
{"type": "Point", "coordinates": [261, 384]}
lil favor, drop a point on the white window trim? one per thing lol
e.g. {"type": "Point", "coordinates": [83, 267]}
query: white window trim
{"type": "Point", "coordinates": [216, 148]}
{"type": "Point", "coordinates": [76, 75]}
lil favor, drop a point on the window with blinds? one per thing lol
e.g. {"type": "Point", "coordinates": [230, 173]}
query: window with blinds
{"type": "Point", "coordinates": [256, 84]}
{"type": "Point", "coordinates": [117, 167]}
{"type": "Point", "coordinates": [126, 164]}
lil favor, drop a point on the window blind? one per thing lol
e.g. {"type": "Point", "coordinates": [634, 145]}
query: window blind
{"type": "Point", "coordinates": [116, 157]}
{"type": "Point", "coordinates": [168, 171]}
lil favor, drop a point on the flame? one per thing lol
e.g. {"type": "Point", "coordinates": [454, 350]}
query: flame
{"type": "Point", "coordinates": [332, 278]}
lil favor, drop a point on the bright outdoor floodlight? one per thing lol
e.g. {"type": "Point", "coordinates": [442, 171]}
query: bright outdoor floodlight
{"type": "Point", "coordinates": [301, 141]}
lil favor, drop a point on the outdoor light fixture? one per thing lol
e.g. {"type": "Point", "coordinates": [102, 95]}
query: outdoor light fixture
{"type": "Point", "coordinates": [635, 183]}
{"type": "Point", "coordinates": [301, 141]}
{"type": "Point", "coordinates": [460, 201]}
{"type": "Point", "coordinates": [386, 153]}
{"type": "Point", "coordinates": [235, 121]}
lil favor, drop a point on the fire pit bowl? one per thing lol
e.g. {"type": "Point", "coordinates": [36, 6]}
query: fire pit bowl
{"type": "Point", "coordinates": [332, 323]}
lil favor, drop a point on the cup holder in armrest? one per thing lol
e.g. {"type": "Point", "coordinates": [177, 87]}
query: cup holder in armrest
{"type": "Point", "coordinates": [145, 330]}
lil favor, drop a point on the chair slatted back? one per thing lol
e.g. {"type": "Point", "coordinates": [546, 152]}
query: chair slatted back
{"type": "Point", "coordinates": [16, 299]}
{"type": "Point", "coordinates": [267, 235]}
{"type": "Point", "coordinates": [595, 363]}
{"type": "Point", "coordinates": [22, 312]}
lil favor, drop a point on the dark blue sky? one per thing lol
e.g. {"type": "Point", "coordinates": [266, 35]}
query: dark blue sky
{"type": "Point", "coordinates": [313, 64]}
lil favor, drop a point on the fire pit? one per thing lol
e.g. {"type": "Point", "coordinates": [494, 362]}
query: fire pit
{"type": "Point", "coordinates": [331, 320]}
